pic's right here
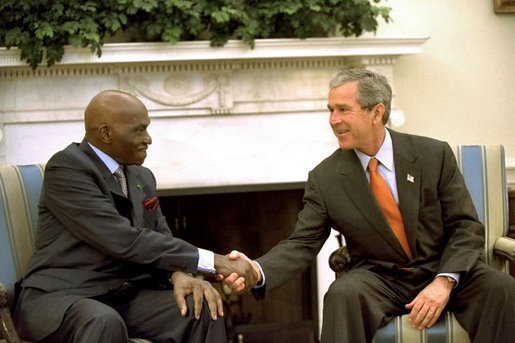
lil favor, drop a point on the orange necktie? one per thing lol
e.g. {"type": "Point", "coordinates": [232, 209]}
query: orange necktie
{"type": "Point", "coordinates": [388, 205]}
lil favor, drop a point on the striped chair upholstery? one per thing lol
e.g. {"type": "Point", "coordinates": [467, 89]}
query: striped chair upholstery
{"type": "Point", "coordinates": [484, 171]}
{"type": "Point", "coordinates": [20, 187]}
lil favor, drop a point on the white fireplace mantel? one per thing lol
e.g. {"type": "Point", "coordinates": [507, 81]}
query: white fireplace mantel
{"type": "Point", "coordinates": [221, 117]}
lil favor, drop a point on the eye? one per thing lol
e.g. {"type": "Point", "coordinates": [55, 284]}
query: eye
{"type": "Point", "coordinates": [344, 110]}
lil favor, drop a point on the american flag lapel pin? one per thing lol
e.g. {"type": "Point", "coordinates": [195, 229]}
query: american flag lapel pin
{"type": "Point", "coordinates": [410, 178]}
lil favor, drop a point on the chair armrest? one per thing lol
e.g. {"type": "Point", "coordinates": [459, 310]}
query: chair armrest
{"type": "Point", "coordinates": [339, 261]}
{"type": "Point", "coordinates": [505, 246]}
{"type": "Point", "coordinates": [6, 323]}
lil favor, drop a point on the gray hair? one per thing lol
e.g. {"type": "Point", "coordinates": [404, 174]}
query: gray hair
{"type": "Point", "coordinates": [373, 88]}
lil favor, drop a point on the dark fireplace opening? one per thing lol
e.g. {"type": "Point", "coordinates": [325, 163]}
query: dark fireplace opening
{"type": "Point", "coordinates": [252, 222]}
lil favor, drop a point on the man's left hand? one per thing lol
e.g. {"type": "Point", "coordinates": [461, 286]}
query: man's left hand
{"type": "Point", "coordinates": [185, 284]}
{"type": "Point", "coordinates": [429, 304]}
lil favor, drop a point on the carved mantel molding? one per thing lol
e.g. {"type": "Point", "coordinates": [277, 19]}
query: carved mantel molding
{"type": "Point", "coordinates": [181, 75]}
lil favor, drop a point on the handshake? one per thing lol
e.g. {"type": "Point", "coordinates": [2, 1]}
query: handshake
{"type": "Point", "coordinates": [237, 271]}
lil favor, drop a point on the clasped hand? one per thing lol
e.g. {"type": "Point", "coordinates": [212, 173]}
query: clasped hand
{"type": "Point", "coordinates": [237, 271]}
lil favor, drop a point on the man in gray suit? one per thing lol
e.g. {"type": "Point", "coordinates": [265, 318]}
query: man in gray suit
{"type": "Point", "coordinates": [442, 266]}
{"type": "Point", "coordinates": [105, 261]}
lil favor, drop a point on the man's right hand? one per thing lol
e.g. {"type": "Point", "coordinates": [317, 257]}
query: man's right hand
{"type": "Point", "coordinates": [239, 271]}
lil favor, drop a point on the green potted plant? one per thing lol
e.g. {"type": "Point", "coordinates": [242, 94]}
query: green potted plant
{"type": "Point", "coordinates": [41, 28]}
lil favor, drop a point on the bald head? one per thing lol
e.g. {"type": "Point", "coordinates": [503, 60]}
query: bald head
{"type": "Point", "coordinates": [108, 107]}
{"type": "Point", "coordinates": [113, 119]}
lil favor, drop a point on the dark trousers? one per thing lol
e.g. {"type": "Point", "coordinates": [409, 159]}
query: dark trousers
{"type": "Point", "coordinates": [361, 301]}
{"type": "Point", "coordinates": [136, 313]}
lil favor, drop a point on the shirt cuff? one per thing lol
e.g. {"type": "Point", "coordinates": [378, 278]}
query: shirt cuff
{"type": "Point", "coordinates": [206, 261]}
{"type": "Point", "coordinates": [262, 283]}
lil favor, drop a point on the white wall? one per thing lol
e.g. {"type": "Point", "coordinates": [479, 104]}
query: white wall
{"type": "Point", "coordinates": [461, 88]}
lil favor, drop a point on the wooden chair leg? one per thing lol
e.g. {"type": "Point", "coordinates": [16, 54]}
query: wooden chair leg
{"type": "Point", "coordinates": [7, 329]}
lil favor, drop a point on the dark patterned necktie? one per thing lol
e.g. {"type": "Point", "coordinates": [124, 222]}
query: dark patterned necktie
{"type": "Point", "coordinates": [120, 176]}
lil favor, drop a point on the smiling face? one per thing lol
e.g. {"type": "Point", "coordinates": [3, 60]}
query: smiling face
{"type": "Point", "coordinates": [354, 126]}
{"type": "Point", "coordinates": [116, 123]}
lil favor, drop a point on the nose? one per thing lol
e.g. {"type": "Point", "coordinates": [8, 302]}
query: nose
{"type": "Point", "coordinates": [335, 118]}
{"type": "Point", "coordinates": [147, 139]}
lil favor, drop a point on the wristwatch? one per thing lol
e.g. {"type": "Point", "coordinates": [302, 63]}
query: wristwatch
{"type": "Point", "coordinates": [450, 279]}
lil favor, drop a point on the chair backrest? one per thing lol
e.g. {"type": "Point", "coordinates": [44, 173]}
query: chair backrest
{"type": "Point", "coordinates": [484, 170]}
{"type": "Point", "coordinates": [20, 187]}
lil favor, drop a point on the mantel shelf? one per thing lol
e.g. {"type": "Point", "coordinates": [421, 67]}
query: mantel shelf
{"type": "Point", "coordinates": [233, 50]}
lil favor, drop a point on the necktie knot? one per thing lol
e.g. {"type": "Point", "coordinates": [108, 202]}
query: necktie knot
{"type": "Point", "coordinates": [372, 164]}
{"type": "Point", "coordinates": [120, 176]}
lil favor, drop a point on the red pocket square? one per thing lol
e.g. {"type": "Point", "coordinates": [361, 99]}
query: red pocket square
{"type": "Point", "coordinates": [150, 204]}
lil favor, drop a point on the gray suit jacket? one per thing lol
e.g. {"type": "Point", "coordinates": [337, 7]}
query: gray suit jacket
{"type": "Point", "coordinates": [90, 238]}
{"type": "Point", "coordinates": [440, 219]}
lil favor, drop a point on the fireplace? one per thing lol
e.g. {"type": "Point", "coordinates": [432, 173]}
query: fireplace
{"type": "Point", "coordinates": [253, 222]}
{"type": "Point", "coordinates": [235, 132]}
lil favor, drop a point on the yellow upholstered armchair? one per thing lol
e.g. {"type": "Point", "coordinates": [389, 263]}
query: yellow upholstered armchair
{"type": "Point", "coordinates": [20, 187]}
{"type": "Point", "coordinates": [484, 170]}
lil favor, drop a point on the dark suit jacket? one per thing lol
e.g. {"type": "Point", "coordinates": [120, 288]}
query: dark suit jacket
{"type": "Point", "coordinates": [440, 219]}
{"type": "Point", "coordinates": [90, 238]}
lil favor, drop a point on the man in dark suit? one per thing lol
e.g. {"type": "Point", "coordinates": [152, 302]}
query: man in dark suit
{"type": "Point", "coordinates": [442, 264]}
{"type": "Point", "coordinates": [105, 261]}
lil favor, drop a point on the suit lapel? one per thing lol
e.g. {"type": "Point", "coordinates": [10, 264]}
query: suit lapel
{"type": "Point", "coordinates": [136, 194]}
{"type": "Point", "coordinates": [408, 177]}
{"type": "Point", "coordinates": [123, 204]}
{"type": "Point", "coordinates": [357, 188]}
{"type": "Point", "coordinates": [130, 207]}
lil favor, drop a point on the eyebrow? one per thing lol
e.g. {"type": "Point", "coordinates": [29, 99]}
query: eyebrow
{"type": "Point", "coordinates": [344, 106]}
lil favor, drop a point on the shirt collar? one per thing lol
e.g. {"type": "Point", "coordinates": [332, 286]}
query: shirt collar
{"type": "Point", "coordinates": [384, 155]}
{"type": "Point", "coordinates": [110, 163]}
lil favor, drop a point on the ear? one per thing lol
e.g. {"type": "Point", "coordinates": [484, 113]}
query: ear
{"type": "Point", "coordinates": [378, 113]}
{"type": "Point", "coordinates": [104, 132]}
